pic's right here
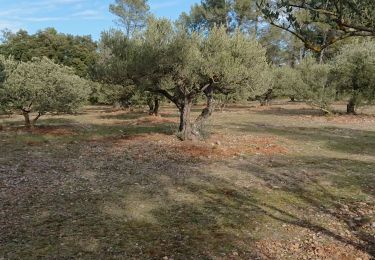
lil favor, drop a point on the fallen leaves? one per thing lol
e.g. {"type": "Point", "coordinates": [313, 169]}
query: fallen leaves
{"type": "Point", "coordinates": [216, 147]}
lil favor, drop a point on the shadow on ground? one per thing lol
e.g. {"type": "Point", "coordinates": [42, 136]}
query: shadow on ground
{"type": "Point", "coordinates": [336, 188]}
{"type": "Point", "coordinates": [88, 201]}
{"type": "Point", "coordinates": [336, 139]}
{"type": "Point", "coordinates": [291, 111]}
{"type": "Point", "coordinates": [96, 194]}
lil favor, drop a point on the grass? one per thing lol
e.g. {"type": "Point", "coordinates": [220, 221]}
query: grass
{"type": "Point", "coordinates": [118, 185]}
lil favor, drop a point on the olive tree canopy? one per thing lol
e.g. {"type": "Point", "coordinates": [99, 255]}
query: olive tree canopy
{"type": "Point", "coordinates": [353, 73]}
{"type": "Point", "coordinates": [183, 66]}
{"type": "Point", "coordinates": [41, 86]}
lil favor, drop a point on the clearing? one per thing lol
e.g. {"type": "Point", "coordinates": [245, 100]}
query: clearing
{"type": "Point", "coordinates": [281, 182]}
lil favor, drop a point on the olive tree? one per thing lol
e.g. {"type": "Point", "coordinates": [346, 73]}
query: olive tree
{"type": "Point", "coordinates": [315, 89]}
{"type": "Point", "coordinates": [182, 66]}
{"type": "Point", "coordinates": [353, 73]}
{"type": "Point", "coordinates": [116, 72]}
{"type": "Point", "coordinates": [41, 86]}
{"type": "Point", "coordinates": [6, 68]}
{"type": "Point", "coordinates": [308, 81]}
{"type": "Point", "coordinates": [234, 65]}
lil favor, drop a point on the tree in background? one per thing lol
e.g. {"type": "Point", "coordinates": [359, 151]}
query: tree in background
{"type": "Point", "coordinates": [78, 52]}
{"type": "Point", "coordinates": [353, 73]}
{"type": "Point", "coordinates": [321, 23]}
{"type": "Point", "coordinates": [114, 72]}
{"type": "Point", "coordinates": [308, 81]}
{"type": "Point", "coordinates": [286, 81]}
{"type": "Point", "coordinates": [7, 66]}
{"type": "Point", "coordinates": [132, 14]}
{"type": "Point", "coordinates": [41, 86]}
{"type": "Point", "coordinates": [315, 88]}
{"type": "Point", "coordinates": [231, 14]}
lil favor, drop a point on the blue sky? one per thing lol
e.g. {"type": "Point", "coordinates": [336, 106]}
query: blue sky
{"type": "Point", "coordinates": [81, 17]}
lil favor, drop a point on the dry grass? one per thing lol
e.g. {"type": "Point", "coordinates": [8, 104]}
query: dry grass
{"type": "Point", "coordinates": [282, 182]}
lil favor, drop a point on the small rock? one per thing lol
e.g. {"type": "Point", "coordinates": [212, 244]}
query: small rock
{"type": "Point", "coordinates": [235, 253]}
{"type": "Point", "coordinates": [165, 258]}
{"type": "Point", "coordinates": [373, 224]}
{"type": "Point", "coordinates": [218, 143]}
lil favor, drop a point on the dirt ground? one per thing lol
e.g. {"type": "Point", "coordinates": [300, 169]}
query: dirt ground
{"type": "Point", "coordinates": [277, 182]}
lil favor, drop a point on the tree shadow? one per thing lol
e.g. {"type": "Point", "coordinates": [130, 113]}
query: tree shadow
{"type": "Point", "coordinates": [306, 185]}
{"type": "Point", "coordinates": [351, 141]}
{"type": "Point", "coordinates": [116, 206]}
{"type": "Point", "coordinates": [279, 111]}
{"type": "Point", "coordinates": [68, 130]}
{"type": "Point", "coordinates": [126, 116]}
{"type": "Point", "coordinates": [87, 202]}
{"type": "Point", "coordinates": [146, 201]}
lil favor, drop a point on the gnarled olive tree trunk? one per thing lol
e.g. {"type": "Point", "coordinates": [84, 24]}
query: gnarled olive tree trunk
{"type": "Point", "coordinates": [201, 120]}
{"type": "Point", "coordinates": [194, 131]}
{"type": "Point", "coordinates": [353, 101]}
{"type": "Point", "coordinates": [184, 129]}
{"type": "Point", "coordinates": [26, 115]}
{"type": "Point", "coordinates": [28, 122]}
{"type": "Point", "coordinates": [184, 103]}
{"type": "Point", "coordinates": [154, 105]}
{"type": "Point", "coordinates": [350, 107]}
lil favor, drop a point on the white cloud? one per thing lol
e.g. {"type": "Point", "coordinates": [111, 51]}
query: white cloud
{"type": "Point", "coordinates": [18, 15]}
{"type": "Point", "coordinates": [13, 26]}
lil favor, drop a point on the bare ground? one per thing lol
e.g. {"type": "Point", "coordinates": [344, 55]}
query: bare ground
{"type": "Point", "coordinates": [282, 182]}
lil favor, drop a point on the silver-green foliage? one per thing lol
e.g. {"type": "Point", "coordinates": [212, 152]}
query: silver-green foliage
{"type": "Point", "coordinates": [182, 66]}
{"type": "Point", "coordinates": [236, 63]}
{"type": "Point", "coordinates": [315, 88]}
{"type": "Point", "coordinates": [307, 81]}
{"type": "Point", "coordinates": [353, 72]}
{"type": "Point", "coordinates": [213, 63]}
{"type": "Point", "coordinates": [6, 68]}
{"type": "Point", "coordinates": [229, 63]}
{"type": "Point", "coordinates": [42, 86]}
{"type": "Point", "coordinates": [286, 81]}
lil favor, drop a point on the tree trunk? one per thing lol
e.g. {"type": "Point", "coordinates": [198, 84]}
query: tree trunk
{"type": "Point", "coordinates": [256, 28]}
{"type": "Point", "coordinates": [185, 128]}
{"type": "Point", "coordinates": [350, 108]}
{"type": "Point", "coordinates": [302, 54]}
{"type": "Point", "coordinates": [206, 113]}
{"type": "Point", "coordinates": [268, 96]}
{"type": "Point", "coordinates": [156, 106]}
{"type": "Point", "coordinates": [36, 119]}
{"type": "Point", "coordinates": [26, 115]}
{"type": "Point", "coordinates": [151, 106]}
{"type": "Point", "coordinates": [185, 132]}
{"type": "Point", "coordinates": [322, 52]}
